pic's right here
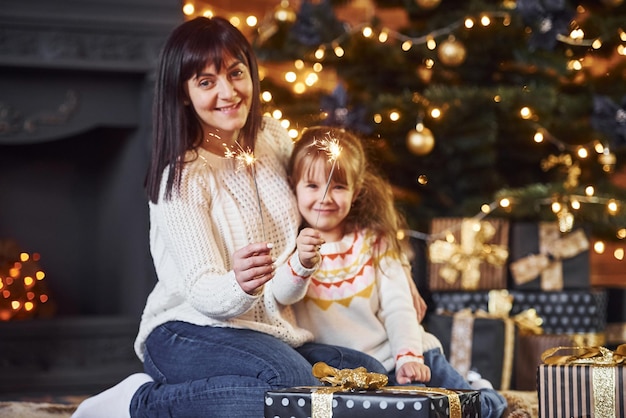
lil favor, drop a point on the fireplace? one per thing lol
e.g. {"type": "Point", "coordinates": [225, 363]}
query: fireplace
{"type": "Point", "coordinates": [75, 108]}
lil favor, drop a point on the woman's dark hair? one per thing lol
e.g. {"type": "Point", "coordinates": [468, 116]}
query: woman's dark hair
{"type": "Point", "coordinates": [176, 129]}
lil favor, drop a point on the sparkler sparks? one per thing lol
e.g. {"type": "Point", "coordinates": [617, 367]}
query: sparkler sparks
{"type": "Point", "coordinates": [246, 158]}
{"type": "Point", "coordinates": [332, 149]}
{"type": "Point", "coordinates": [330, 146]}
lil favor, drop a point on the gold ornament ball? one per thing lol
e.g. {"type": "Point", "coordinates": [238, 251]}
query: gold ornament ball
{"type": "Point", "coordinates": [420, 142]}
{"type": "Point", "coordinates": [427, 4]}
{"type": "Point", "coordinates": [452, 52]}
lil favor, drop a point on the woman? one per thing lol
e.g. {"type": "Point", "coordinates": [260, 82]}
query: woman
{"type": "Point", "coordinates": [224, 227]}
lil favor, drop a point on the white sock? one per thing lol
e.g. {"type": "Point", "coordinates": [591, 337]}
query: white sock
{"type": "Point", "coordinates": [113, 402]}
{"type": "Point", "coordinates": [481, 384]}
{"type": "Point", "coordinates": [477, 382]}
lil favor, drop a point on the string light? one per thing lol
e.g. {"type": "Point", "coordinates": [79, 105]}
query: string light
{"type": "Point", "coordinates": [21, 289]}
{"type": "Point", "coordinates": [576, 37]}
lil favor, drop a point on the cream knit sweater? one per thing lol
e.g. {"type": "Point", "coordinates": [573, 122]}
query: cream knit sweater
{"type": "Point", "coordinates": [193, 237]}
{"type": "Point", "coordinates": [351, 303]}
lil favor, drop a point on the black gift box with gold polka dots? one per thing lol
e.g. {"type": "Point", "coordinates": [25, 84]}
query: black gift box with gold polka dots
{"type": "Point", "coordinates": [389, 402]}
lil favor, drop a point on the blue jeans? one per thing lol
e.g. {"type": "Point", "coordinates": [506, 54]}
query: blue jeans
{"type": "Point", "coordinates": [225, 372]}
{"type": "Point", "coordinates": [443, 375]}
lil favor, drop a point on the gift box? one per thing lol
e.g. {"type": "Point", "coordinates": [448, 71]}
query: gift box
{"type": "Point", "coordinates": [530, 347]}
{"type": "Point", "coordinates": [584, 382]}
{"type": "Point", "coordinates": [468, 254]}
{"type": "Point", "coordinates": [483, 341]}
{"type": "Point", "coordinates": [390, 402]}
{"type": "Point", "coordinates": [616, 316]}
{"type": "Point", "coordinates": [458, 301]}
{"type": "Point", "coordinates": [543, 258]}
{"type": "Point", "coordinates": [563, 312]}
{"type": "Point", "coordinates": [478, 344]}
{"type": "Point", "coordinates": [567, 311]}
{"type": "Point", "coordinates": [616, 305]}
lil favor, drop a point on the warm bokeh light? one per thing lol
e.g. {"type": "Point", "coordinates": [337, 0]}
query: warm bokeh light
{"type": "Point", "coordinates": [599, 247]}
{"type": "Point", "coordinates": [189, 9]}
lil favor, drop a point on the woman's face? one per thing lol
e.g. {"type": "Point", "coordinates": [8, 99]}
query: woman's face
{"type": "Point", "coordinates": [221, 98]}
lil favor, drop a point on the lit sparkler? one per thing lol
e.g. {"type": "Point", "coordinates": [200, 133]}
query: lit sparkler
{"type": "Point", "coordinates": [332, 149]}
{"type": "Point", "coordinates": [245, 158]}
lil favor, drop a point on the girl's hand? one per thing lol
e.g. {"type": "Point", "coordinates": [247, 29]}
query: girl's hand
{"type": "Point", "coordinates": [413, 372]}
{"type": "Point", "coordinates": [253, 266]}
{"type": "Point", "coordinates": [308, 244]}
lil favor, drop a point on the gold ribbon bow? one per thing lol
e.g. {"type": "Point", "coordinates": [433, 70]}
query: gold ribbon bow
{"type": "Point", "coordinates": [500, 305]}
{"type": "Point", "coordinates": [361, 379]}
{"type": "Point", "coordinates": [597, 356]}
{"type": "Point", "coordinates": [465, 258]}
{"type": "Point", "coordinates": [603, 361]}
{"type": "Point", "coordinates": [547, 263]}
{"type": "Point", "coordinates": [349, 379]}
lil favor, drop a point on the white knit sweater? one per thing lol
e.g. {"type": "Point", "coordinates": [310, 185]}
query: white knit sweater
{"type": "Point", "coordinates": [193, 237]}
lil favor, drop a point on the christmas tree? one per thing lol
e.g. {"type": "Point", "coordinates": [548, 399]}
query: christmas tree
{"type": "Point", "coordinates": [515, 106]}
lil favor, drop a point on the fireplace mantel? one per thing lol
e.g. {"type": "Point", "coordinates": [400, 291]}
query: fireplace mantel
{"type": "Point", "coordinates": [66, 66]}
{"type": "Point", "coordinates": [101, 35]}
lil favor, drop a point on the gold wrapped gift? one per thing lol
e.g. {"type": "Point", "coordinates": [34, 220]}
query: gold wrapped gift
{"type": "Point", "coordinates": [461, 261]}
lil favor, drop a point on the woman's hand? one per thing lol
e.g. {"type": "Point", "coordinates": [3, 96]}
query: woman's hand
{"type": "Point", "coordinates": [308, 244]}
{"type": "Point", "coordinates": [413, 372]}
{"type": "Point", "coordinates": [253, 266]}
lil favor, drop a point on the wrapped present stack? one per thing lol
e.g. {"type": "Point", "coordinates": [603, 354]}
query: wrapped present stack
{"type": "Point", "coordinates": [518, 288]}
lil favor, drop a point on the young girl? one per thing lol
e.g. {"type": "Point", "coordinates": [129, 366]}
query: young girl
{"type": "Point", "coordinates": [360, 295]}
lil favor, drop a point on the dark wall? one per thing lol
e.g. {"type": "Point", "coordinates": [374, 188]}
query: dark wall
{"type": "Point", "coordinates": [75, 100]}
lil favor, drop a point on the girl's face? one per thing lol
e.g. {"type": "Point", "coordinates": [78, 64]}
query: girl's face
{"type": "Point", "coordinates": [222, 98]}
{"type": "Point", "coordinates": [326, 215]}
